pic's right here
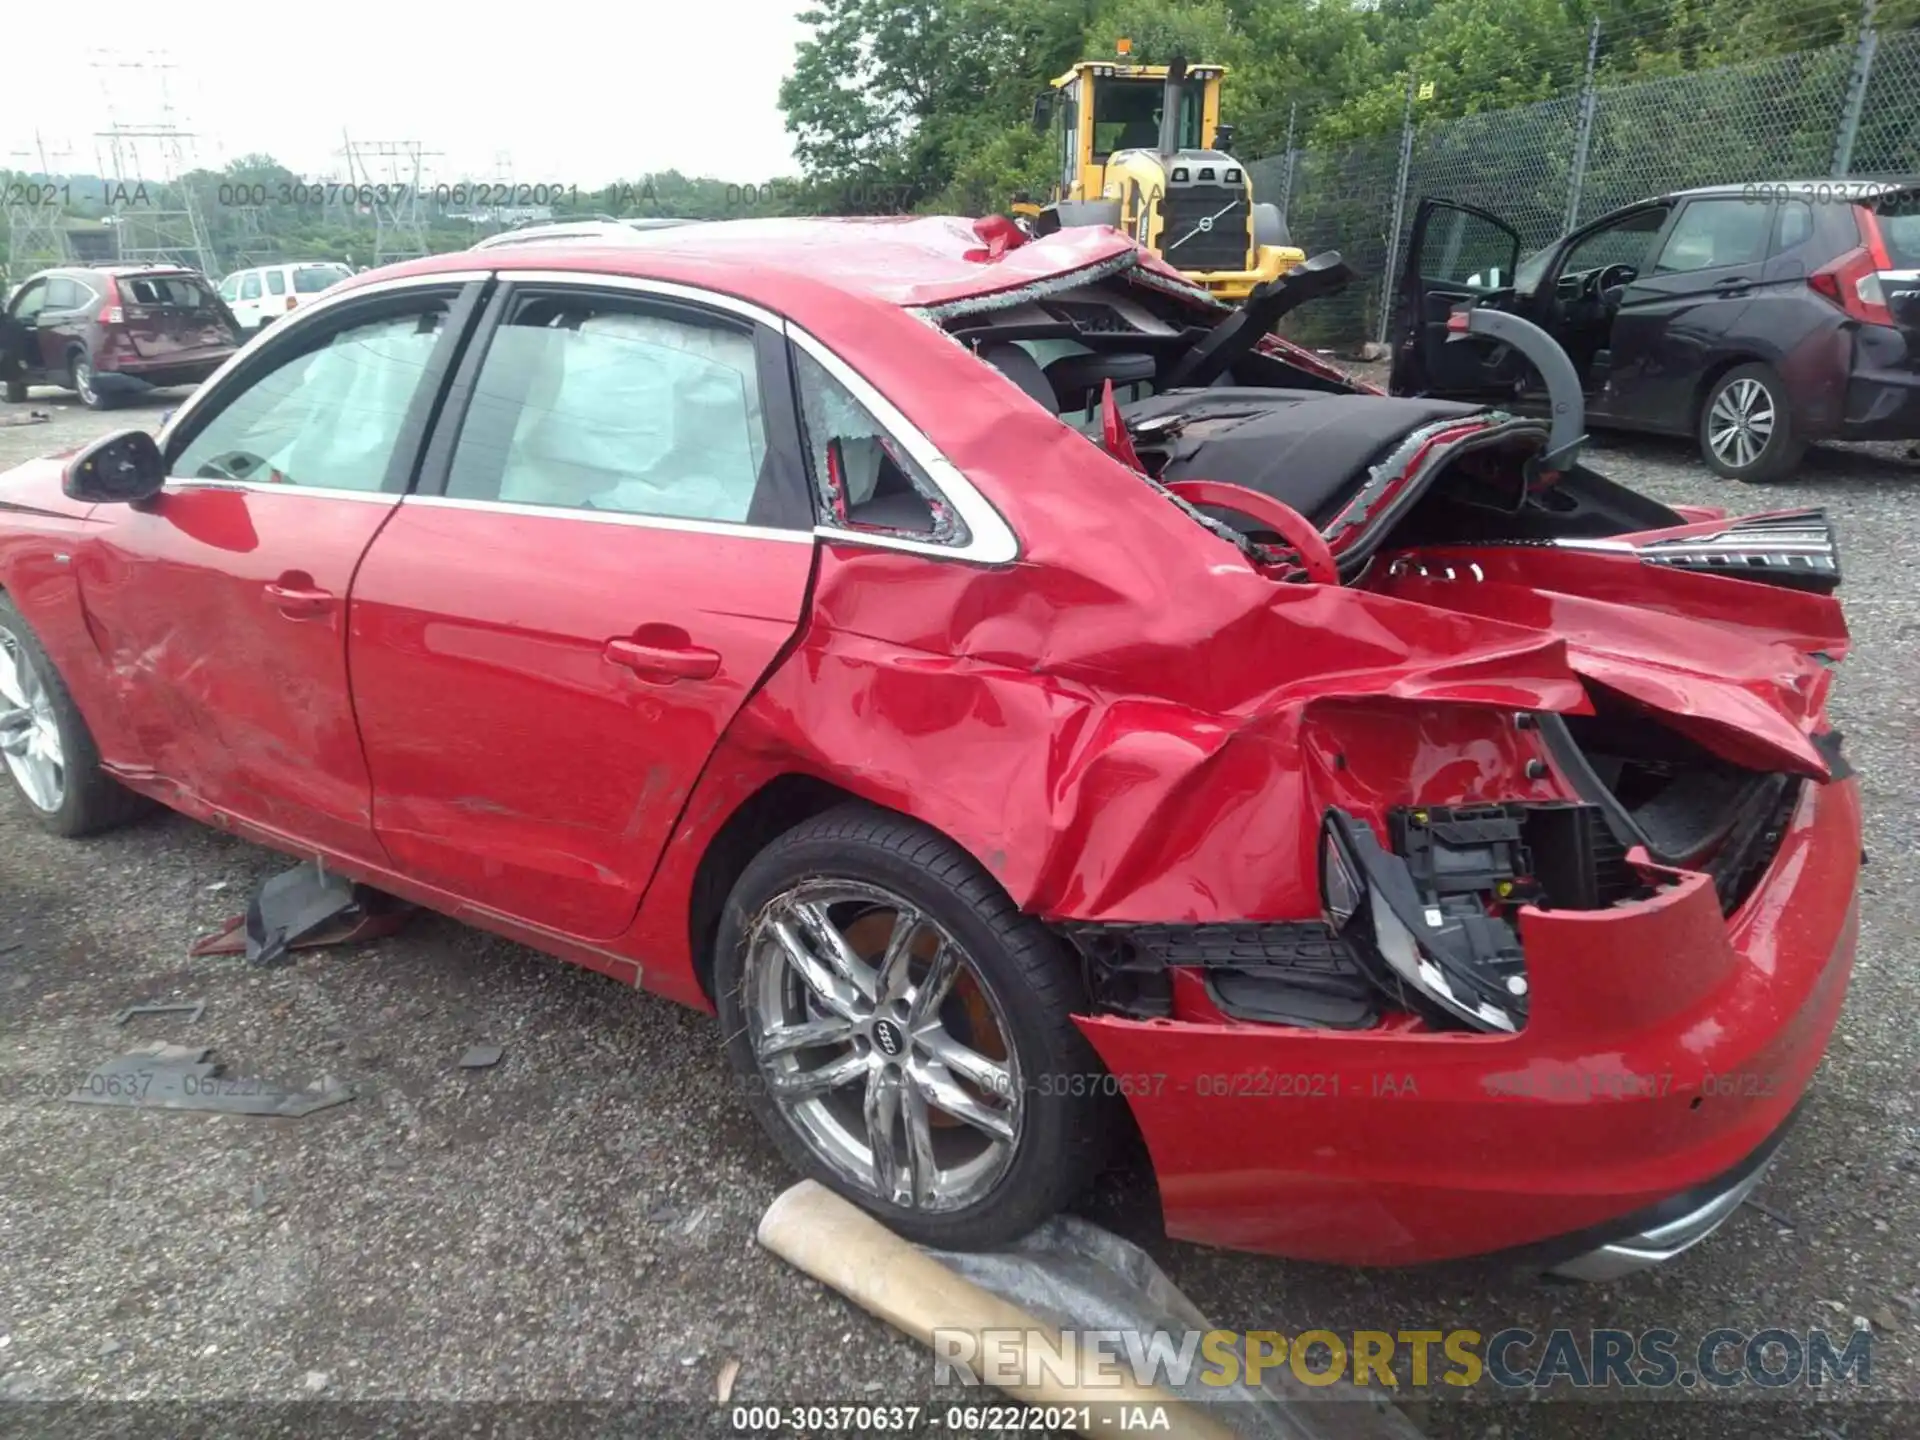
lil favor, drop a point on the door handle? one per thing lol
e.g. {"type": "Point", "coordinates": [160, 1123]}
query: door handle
{"type": "Point", "coordinates": [1732, 282]}
{"type": "Point", "coordinates": [663, 664]}
{"type": "Point", "coordinates": [298, 602]}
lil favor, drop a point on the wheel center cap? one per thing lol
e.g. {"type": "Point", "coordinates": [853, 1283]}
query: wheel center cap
{"type": "Point", "coordinates": [889, 1039]}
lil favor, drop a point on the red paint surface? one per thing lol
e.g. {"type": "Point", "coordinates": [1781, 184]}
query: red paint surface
{"type": "Point", "coordinates": [1129, 722]}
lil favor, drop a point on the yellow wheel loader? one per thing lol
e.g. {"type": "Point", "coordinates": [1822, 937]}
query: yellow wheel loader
{"type": "Point", "coordinates": [1141, 148]}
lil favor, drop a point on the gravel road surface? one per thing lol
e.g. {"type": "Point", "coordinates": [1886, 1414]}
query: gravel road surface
{"type": "Point", "coordinates": [575, 1223]}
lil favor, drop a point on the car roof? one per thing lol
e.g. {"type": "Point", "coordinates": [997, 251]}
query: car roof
{"type": "Point", "coordinates": [910, 261]}
{"type": "Point", "coordinates": [1826, 188]}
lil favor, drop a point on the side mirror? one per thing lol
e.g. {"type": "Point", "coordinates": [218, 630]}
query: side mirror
{"type": "Point", "coordinates": [1223, 138]}
{"type": "Point", "coordinates": [121, 468]}
{"type": "Point", "coordinates": [1042, 112]}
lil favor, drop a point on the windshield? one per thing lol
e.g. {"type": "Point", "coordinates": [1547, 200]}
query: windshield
{"type": "Point", "coordinates": [1899, 218]}
{"type": "Point", "coordinates": [312, 279]}
{"type": "Point", "coordinates": [1126, 115]}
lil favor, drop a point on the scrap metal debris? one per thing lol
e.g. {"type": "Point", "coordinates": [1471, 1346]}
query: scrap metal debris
{"type": "Point", "coordinates": [479, 1057]}
{"type": "Point", "coordinates": [180, 1077]}
{"type": "Point", "coordinates": [192, 1009]}
{"type": "Point", "coordinates": [304, 908]}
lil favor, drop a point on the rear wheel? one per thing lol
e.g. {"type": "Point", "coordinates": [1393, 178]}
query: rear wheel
{"type": "Point", "coordinates": [1746, 426]}
{"type": "Point", "coordinates": [905, 1033]}
{"type": "Point", "coordinates": [80, 374]}
{"type": "Point", "coordinates": [46, 745]}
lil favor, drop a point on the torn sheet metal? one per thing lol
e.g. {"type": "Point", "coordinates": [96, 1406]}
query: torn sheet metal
{"type": "Point", "coordinates": [304, 909]}
{"type": "Point", "coordinates": [181, 1077]}
{"type": "Point", "coordinates": [1075, 1275]}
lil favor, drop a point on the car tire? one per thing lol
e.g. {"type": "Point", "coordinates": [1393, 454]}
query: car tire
{"type": "Point", "coordinates": [1031, 1120]}
{"type": "Point", "coordinates": [80, 377]}
{"type": "Point", "coordinates": [1745, 428]}
{"type": "Point", "coordinates": [84, 799]}
{"type": "Point", "coordinates": [16, 391]}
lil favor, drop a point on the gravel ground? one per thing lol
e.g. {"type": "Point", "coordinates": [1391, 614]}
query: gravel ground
{"type": "Point", "coordinates": [576, 1222]}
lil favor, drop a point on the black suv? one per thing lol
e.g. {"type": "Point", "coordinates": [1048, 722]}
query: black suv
{"type": "Point", "coordinates": [1755, 318]}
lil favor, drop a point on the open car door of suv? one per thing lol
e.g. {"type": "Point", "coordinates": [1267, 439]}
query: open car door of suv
{"type": "Point", "coordinates": [1457, 253]}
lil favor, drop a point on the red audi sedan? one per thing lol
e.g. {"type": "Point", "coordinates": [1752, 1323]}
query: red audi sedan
{"type": "Point", "coordinates": [1012, 691]}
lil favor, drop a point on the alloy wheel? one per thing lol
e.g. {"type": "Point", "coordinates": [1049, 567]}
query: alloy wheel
{"type": "Point", "coordinates": [882, 1045]}
{"type": "Point", "coordinates": [1740, 423]}
{"type": "Point", "coordinates": [83, 379]}
{"type": "Point", "coordinates": [29, 733]}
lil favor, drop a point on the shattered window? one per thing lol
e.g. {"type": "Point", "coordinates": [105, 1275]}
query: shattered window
{"type": "Point", "coordinates": [602, 405]}
{"type": "Point", "coordinates": [863, 477]}
{"type": "Point", "coordinates": [330, 416]}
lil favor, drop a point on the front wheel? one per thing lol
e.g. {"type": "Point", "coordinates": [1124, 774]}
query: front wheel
{"type": "Point", "coordinates": [905, 1033]}
{"type": "Point", "coordinates": [1746, 426]}
{"type": "Point", "coordinates": [45, 743]}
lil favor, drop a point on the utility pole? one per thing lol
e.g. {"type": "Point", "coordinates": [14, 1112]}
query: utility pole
{"type": "Point", "coordinates": [36, 227]}
{"type": "Point", "coordinates": [161, 224]}
{"type": "Point", "coordinates": [1856, 97]}
{"type": "Point", "coordinates": [1389, 277]}
{"type": "Point", "coordinates": [392, 193]}
{"type": "Point", "coordinates": [1583, 130]}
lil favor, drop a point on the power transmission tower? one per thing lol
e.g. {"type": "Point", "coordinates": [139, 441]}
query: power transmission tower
{"type": "Point", "coordinates": [36, 212]}
{"type": "Point", "coordinates": [386, 176]}
{"type": "Point", "coordinates": [156, 215]}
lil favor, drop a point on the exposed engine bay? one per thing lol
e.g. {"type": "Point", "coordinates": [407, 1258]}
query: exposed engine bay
{"type": "Point", "coordinates": [1422, 903]}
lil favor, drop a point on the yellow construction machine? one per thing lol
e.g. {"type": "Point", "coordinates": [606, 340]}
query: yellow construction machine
{"type": "Point", "coordinates": [1141, 148]}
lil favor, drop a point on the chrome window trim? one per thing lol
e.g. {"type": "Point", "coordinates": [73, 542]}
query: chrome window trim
{"type": "Point", "coordinates": [991, 540]}
{"type": "Point", "coordinates": [640, 285]}
{"type": "Point", "coordinates": [175, 484]}
{"type": "Point", "coordinates": [737, 528]}
{"type": "Point", "coordinates": [307, 315]}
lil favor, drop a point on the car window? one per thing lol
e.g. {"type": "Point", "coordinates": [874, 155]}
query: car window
{"type": "Point", "coordinates": [1711, 233]}
{"type": "Point", "coordinates": [330, 416]}
{"type": "Point", "coordinates": [609, 404]}
{"type": "Point", "coordinates": [1792, 225]}
{"type": "Point", "coordinates": [312, 279]}
{"type": "Point", "coordinates": [277, 282]}
{"type": "Point", "coordinates": [63, 294]}
{"type": "Point", "coordinates": [30, 301]}
{"type": "Point", "coordinates": [1460, 248]}
{"type": "Point", "coordinates": [230, 288]}
{"type": "Point", "coordinates": [250, 288]}
{"type": "Point", "coordinates": [181, 292]}
{"type": "Point", "coordinates": [1624, 243]}
{"type": "Point", "coordinates": [1899, 221]}
{"type": "Point", "coordinates": [863, 477]}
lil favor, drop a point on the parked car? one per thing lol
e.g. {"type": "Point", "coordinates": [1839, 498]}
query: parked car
{"type": "Point", "coordinates": [119, 330]}
{"type": "Point", "coordinates": [580, 232]}
{"type": "Point", "coordinates": [1755, 318]}
{"type": "Point", "coordinates": [1438, 847]}
{"type": "Point", "coordinates": [264, 293]}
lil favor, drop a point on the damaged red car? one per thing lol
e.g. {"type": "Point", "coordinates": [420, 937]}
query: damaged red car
{"type": "Point", "coordinates": [1023, 699]}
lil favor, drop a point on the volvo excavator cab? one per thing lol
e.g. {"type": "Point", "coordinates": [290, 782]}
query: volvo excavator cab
{"type": "Point", "coordinates": [1141, 148]}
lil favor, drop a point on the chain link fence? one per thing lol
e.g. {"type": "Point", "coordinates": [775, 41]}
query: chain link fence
{"type": "Point", "coordinates": [1851, 109]}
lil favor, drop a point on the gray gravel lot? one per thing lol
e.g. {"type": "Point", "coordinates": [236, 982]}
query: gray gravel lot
{"type": "Point", "coordinates": [576, 1223]}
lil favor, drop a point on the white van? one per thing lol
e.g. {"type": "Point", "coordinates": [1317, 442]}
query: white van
{"type": "Point", "coordinates": [263, 294]}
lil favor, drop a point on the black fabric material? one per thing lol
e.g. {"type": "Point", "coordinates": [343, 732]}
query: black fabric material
{"type": "Point", "coordinates": [1023, 370]}
{"type": "Point", "coordinates": [1309, 450]}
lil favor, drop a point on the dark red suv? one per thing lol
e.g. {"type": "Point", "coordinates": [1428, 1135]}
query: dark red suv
{"type": "Point", "coordinates": [113, 331]}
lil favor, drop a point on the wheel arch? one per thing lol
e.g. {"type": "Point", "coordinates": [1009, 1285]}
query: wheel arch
{"type": "Point", "coordinates": [1710, 376]}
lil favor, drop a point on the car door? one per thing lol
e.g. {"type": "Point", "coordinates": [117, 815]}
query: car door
{"type": "Point", "coordinates": [1457, 253]}
{"type": "Point", "coordinates": [1673, 321]}
{"type": "Point", "coordinates": [25, 311]}
{"type": "Point", "coordinates": [610, 546]}
{"type": "Point", "coordinates": [220, 606]}
{"type": "Point", "coordinates": [248, 310]}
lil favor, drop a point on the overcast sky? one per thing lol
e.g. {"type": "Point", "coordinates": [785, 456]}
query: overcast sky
{"type": "Point", "coordinates": [581, 91]}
